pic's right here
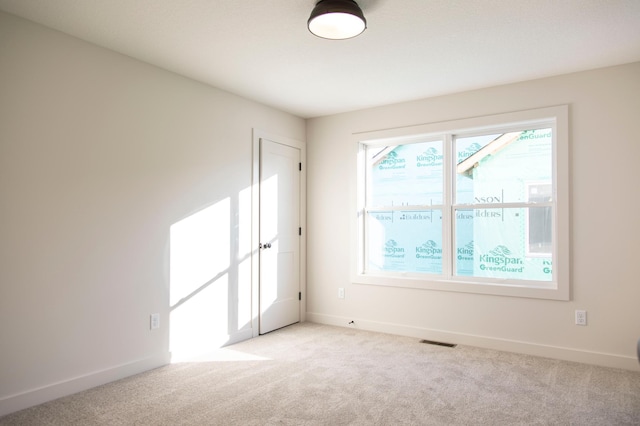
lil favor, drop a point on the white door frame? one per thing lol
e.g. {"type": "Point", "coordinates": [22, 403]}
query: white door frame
{"type": "Point", "coordinates": [255, 225]}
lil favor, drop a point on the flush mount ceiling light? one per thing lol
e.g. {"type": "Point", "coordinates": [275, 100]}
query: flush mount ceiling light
{"type": "Point", "coordinates": [336, 19]}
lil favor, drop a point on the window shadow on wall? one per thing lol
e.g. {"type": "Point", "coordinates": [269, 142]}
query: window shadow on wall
{"type": "Point", "coordinates": [210, 277]}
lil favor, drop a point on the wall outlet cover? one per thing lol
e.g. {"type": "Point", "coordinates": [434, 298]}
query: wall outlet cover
{"type": "Point", "coordinates": [155, 321]}
{"type": "Point", "coordinates": [581, 317]}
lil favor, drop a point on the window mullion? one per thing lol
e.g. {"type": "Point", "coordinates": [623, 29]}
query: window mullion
{"type": "Point", "coordinates": [489, 206]}
{"type": "Point", "coordinates": [447, 221]}
{"type": "Point", "coordinates": [424, 207]}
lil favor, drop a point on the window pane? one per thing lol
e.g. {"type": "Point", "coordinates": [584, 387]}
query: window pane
{"type": "Point", "coordinates": [464, 243]}
{"type": "Point", "coordinates": [405, 175]}
{"type": "Point", "coordinates": [492, 243]}
{"type": "Point", "coordinates": [407, 241]}
{"type": "Point", "coordinates": [498, 168]}
{"type": "Point", "coordinates": [539, 221]}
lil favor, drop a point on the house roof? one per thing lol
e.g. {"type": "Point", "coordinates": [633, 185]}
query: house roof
{"type": "Point", "coordinates": [467, 165]}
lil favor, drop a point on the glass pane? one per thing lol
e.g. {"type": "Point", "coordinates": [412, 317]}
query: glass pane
{"type": "Point", "coordinates": [406, 241]}
{"type": "Point", "coordinates": [464, 243]}
{"type": "Point", "coordinates": [539, 236]}
{"type": "Point", "coordinates": [405, 175]}
{"type": "Point", "coordinates": [494, 243]}
{"type": "Point", "coordinates": [499, 168]}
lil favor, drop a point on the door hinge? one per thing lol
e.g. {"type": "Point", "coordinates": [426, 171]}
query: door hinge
{"type": "Point", "coordinates": [300, 166]}
{"type": "Point", "coordinates": [299, 231]}
{"type": "Point", "coordinates": [299, 295]}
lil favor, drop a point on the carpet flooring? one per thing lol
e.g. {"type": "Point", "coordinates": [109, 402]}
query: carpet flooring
{"type": "Point", "coordinates": [311, 374]}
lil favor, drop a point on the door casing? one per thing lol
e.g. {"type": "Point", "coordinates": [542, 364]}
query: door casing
{"type": "Point", "coordinates": [255, 224]}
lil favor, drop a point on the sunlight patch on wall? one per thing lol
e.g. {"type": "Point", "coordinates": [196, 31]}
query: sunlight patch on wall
{"type": "Point", "coordinates": [200, 254]}
{"type": "Point", "coordinates": [244, 258]}
{"type": "Point", "coordinates": [200, 325]}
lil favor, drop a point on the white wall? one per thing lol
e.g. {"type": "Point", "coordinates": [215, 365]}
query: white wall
{"type": "Point", "coordinates": [99, 156]}
{"type": "Point", "coordinates": [604, 153]}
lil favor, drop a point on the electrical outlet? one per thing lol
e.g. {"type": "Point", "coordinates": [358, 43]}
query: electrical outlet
{"type": "Point", "coordinates": [341, 293]}
{"type": "Point", "coordinates": [581, 317]}
{"type": "Point", "coordinates": [155, 321]}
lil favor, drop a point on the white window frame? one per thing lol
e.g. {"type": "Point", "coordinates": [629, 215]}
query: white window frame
{"type": "Point", "coordinates": [558, 289]}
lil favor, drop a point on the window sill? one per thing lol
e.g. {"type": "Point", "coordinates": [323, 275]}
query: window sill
{"type": "Point", "coordinates": [509, 289]}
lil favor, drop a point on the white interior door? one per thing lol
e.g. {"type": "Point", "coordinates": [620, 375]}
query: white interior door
{"type": "Point", "coordinates": [279, 235]}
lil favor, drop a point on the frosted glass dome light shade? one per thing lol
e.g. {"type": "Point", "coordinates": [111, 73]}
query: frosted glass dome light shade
{"type": "Point", "coordinates": [336, 19]}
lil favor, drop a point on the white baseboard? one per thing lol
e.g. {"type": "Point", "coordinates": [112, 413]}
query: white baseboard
{"type": "Point", "coordinates": [16, 402]}
{"type": "Point", "coordinates": [555, 352]}
{"type": "Point", "coordinates": [190, 354]}
{"type": "Point", "coordinates": [240, 336]}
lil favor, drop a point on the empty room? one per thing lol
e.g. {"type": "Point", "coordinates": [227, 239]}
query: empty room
{"type": "Point", "coordinates": [370, 212]}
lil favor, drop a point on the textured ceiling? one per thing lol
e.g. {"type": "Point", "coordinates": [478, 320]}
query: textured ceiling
{"type": "Point", "coordinates": [412, 49]}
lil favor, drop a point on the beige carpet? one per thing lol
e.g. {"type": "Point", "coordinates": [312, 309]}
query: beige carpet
{"type": "Point", "coordinates": [310, 374]}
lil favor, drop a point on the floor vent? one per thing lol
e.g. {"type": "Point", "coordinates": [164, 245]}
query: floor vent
{"type": "Point", "coordinates": [433, 342]}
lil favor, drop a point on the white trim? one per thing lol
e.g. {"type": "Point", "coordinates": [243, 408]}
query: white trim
{"type": "Point", "coordinates": [238, 337]}
{"type": "Point", "coordinates": [255, 223]}
{"type": "Point", "coordinates": [255, 234]}
{"type": "Point", "coordinates": [506, 345]}
{"type": "Point", "coordinates": [29, 398]}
